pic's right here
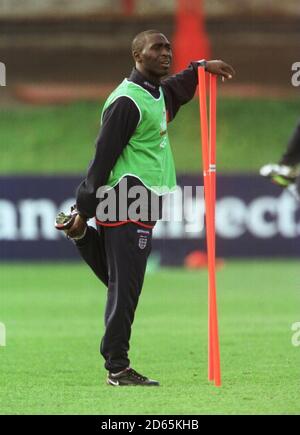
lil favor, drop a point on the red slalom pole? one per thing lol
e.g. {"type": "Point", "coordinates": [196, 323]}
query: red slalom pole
{"type": "Point", "coordinates": [205, 160]}
{"type": "Point", "coordinates": [212, 178]}
{"type": "Point", "coordinates": [212, 174]}
{"type": "Point", "coordinates": [213, 136]}
{"type": "Point", "coordinates": [209, 159]}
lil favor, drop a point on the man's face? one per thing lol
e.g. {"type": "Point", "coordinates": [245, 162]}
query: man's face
{"type": "Point", "coordinates": [156, 56]}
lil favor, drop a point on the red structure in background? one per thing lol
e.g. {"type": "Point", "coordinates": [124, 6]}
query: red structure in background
{"type": "Point", "coordinates": [128, 7]}
{"type": "Point", "coordinates": [190, 41]}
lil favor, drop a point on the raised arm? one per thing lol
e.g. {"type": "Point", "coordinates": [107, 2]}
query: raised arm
{"type": "Point", "coordinates": [180, 88]}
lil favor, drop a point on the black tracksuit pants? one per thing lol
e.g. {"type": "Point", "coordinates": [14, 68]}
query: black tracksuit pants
{"type": "Point", "coordinates": [118, 256]}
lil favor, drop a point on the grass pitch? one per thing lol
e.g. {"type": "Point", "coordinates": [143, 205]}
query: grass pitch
{"type": "Point", "coordinates": [61, 139]}
{"type": "Point", "coordinates": [53, 315]}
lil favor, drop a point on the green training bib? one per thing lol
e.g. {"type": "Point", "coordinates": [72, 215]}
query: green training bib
{"type": "Point", "coordinates": [148, 154]}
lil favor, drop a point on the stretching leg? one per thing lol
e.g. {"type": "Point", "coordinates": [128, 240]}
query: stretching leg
{"type": "Point", "coordinates": [92, 250]}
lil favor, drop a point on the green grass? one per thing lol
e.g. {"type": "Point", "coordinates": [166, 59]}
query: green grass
{"type": "Point", "coordinates": [53, 315]}
{"type": "Point", "coordinates": [61, 139]}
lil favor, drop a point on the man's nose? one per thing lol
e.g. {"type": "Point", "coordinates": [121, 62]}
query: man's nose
{"type": "Point", "coordinates": [166, 51]}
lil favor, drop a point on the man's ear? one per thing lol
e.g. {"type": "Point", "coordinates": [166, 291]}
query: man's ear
{"type": "Point", "coordinates": [137, 56]}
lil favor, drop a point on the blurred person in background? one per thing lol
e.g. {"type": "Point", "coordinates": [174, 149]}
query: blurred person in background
{"type": "Point", "coordinates": [133, 145]}
{"type": "Point", "coordinates": [286, 172]}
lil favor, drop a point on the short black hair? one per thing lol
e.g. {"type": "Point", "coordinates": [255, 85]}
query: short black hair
{"type": "Point", "coordinates": [140, 39]}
